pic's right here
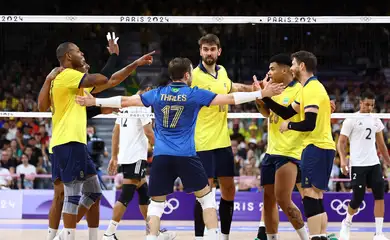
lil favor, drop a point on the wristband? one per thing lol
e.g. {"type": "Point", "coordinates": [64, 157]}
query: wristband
{"type": "Point", "coordinates": [112, 102]}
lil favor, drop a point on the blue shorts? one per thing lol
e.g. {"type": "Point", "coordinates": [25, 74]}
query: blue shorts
{"type": "Point", "coordinates": [316, 167]}
{"type": "Point", "coordinates": [271, 163]}
{"type": "Point", "coordinates": [218, 162]}
{"type": "Point", "coordinates": [166, 169]}
{"type": "Point", "coordinates": [71, 162]}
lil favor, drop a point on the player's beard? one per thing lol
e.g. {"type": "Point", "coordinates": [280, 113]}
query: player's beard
{"type": "Point", "coordinates": [209, 60]}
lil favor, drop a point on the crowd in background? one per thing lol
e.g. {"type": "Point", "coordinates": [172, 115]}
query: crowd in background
{"type": "Point", "coordinates": [347, 68]}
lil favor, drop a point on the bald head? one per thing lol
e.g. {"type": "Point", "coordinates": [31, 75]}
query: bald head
{"type": "Point", "coordinates": [63, 49]}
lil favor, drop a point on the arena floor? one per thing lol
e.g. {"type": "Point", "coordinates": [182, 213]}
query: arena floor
{"type": "Point", "coordinates": [36, 229]}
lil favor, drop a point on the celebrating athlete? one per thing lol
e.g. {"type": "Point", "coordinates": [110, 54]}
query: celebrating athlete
{"type": "Point", "coordinates": [176, 108]}
{"type": "Point", "coordinates": [319, 147]}
{"type": "Point", "coordinates": [212, 137]}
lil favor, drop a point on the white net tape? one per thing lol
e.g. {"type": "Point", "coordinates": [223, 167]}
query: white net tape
{"type": "Point", "coordinates": [194, 19]}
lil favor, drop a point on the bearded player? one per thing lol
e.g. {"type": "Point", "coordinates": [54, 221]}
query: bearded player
{"type": "Point", "coordinates": [212, 137]}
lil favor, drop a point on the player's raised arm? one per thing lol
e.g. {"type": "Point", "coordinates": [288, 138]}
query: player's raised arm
{"type": "Point", "coordinates": [243, 97]}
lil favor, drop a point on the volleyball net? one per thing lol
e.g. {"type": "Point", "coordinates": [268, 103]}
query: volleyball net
{"type": "Point", "coordinates": [352, 53]}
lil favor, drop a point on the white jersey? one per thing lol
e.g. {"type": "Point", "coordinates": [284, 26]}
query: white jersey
{"type": "Point", "coordinates": [133, 143]}
{"type": "Point", "coordinates": [362, 138]}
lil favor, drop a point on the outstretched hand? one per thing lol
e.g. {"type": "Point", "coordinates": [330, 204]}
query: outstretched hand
{"type": "Point", "coordinates": [113, 46]}
{"type": "Point", "coordinates": [272, 89]}
{"type": "Point", "coordinates": [146, 59]}
{"type": "Point", "coordinates": [86, 100]}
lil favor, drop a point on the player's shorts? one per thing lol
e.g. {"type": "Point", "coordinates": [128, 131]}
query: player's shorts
{"type": "Point", "coordinates": [367, 176]}
{"type": "Point", "coordinates": [71, 162]}
{"type": "Point", "coordinates": [271, 163]}
{"type": "Point", "coordinates": [135, 170]}
{"type": "Point", "coordinates": [316, 167]}
{"type": "Point", "coordinates": [165, 169]}
{"type": "Point", "coordinates": [218, 162]}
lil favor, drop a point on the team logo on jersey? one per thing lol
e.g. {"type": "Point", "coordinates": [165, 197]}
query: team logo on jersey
{"type": "Point", "coordinates": [285, 100]}
{"type": "Point", "coordinates": [175, 90]}
{"type": "Point", "coordinates": [81, 174]}
{"type": "Point", "coordinates": [224, 85]}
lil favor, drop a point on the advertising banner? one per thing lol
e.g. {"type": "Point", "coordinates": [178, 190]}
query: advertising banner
{"type": "Point", "coordinates": [179, 206]}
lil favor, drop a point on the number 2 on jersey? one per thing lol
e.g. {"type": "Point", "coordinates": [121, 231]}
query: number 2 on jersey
{"type": "Point", "coordinates": [166, 111]}
{"type": "Point", "coordinates": [369, 133]}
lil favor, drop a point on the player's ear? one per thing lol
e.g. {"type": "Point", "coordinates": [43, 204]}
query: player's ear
{"type": "Point", "coordinates": [219, 51]}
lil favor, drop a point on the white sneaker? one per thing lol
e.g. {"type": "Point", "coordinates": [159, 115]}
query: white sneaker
{"type": "Point", "coordinates": [110, 237]}
{"type": "Point", "coordinates": [345, 230]}
{"type": "Point", "coordinates": [380, 237]}
{"type": "Point", "coordinates": [166, 235]}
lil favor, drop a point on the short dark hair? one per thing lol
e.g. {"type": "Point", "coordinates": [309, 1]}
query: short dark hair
{"type": "Point", "coordinates": [367, 95]}
{"type": "Point", "coordinates": [281, 59]}
{"type": "Point", "coordinates": [210, 39]}
{"type": "Point", "coordinates": [62, 49]}
{"type": "Point", "coordinates": [308, 58]}
{"type": "Point", "coordinates": [146, 83]}
{"type": "Point", "coordinates": [177, 67]}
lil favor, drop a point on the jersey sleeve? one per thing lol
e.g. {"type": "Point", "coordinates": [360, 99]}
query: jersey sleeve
{"type": "Point", "coordinates": [312, 97]}
{"type": "Point", "coordinates": [73, 78]}
{"type": "Point", "coordinates": [146, 121]}
{"type": "Point", "coordinates": [148, 98]}
{"type": "Point", "coordinates": [204, 97]}
{"type": "Point", "coordinates": [379, 125]}
{"type": "Point", "coordinates": [346, 128]}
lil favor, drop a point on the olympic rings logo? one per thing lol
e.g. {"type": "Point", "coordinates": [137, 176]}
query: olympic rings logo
{"type": "Point", "coordinates": [218, 18]}
{"type": "Point", "coordinates": [171, 205]}
{"type": "Point", "coordinates": [341, 207]}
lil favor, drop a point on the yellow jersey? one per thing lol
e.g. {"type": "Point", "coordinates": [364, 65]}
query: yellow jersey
{"type": "Point", "coordinates": [314, 95]}
{"type": "Point", "coordinates": [69, 119]}
{"type": "Point", "coordinates": [211, 131]}
{"type": "Point", "coordinates": [289, 143]}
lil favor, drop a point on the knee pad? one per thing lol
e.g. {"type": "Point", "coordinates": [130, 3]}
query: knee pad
{"type": "Point", "coordinates": [207, 201]}
{"type": "Point", "coordinates": [312, 206]}
{"type": "Point", "coordinates": [378, 190]}
{"type": "Point", "coordinates": [357, 197]}
{"type": "Point", "coordinates": [71, 204]}
{"type": "Point", "coordinates": [143, 198]}
{"type": "Point", "coordinates": [88, 199]}
{"type": "Point", "coordinates": [156, 208]}
{"type": "Point", "coordinates": [127, 194]}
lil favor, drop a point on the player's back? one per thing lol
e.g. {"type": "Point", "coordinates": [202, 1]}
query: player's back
{"type": "Point", "coordinates": [211, 128]}
{"type": "Point", "coordinates": [314, 95]}
{"type": "Point", "coordinates": [362, 138]}
{"type": "Point", "coordinates": [288, 143]}
{"type": "Point", "coordinates": [132, 139]}
{"type": "Point", "coordinates": [69, 118]}
{"type": "Point", "coordinates": [176, 108]}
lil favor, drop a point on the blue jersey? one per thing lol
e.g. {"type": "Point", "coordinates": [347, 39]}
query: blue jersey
{"type": "Point", "coordinates": [176, 108]}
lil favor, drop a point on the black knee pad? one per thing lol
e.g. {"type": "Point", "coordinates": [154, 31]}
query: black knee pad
{"type": "Point", "coordinates": [127, 194]}
{"type": "Point", "coordinates": [143, 198]}
{"type": "Point", "coordinates": [311, 206]}
{"type": "Point", "coordinates": [378, 190]}
{"type": "Point", "coordinates": [357, 196]}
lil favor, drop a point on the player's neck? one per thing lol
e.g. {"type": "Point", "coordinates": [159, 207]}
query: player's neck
{"type": "Point", "coordinates": [304, 77]}
{"type": "Point", "coordinates": [210, 68]}
{"type": "Point", "coordinates": [287, 81]}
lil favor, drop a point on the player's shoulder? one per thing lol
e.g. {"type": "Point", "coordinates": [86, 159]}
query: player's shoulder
{"type": "Point", "coordinates": [68, 72]}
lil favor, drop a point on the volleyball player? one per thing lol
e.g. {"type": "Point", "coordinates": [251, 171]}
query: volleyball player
{"type": "Point", "coordinates": [212, 137]}
{"type": "Point", "coordinates": [280, 166]}
{"type": "Point", "coordinates": [70, 159]}
{"type": "Point", "coordinates": [364, 134]}
{"type": "Point", "coordinates": [319, 152]}
{"type": "Point", "coordinates": [176, 108]}
{"type": "Point", "coordinates": [44, 103]}
{"type": "Point", "coordinates": [130, 139]}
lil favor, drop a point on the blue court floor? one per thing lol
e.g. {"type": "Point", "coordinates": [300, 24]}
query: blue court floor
{"type": "Point", "coordinates": [36, 229]}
